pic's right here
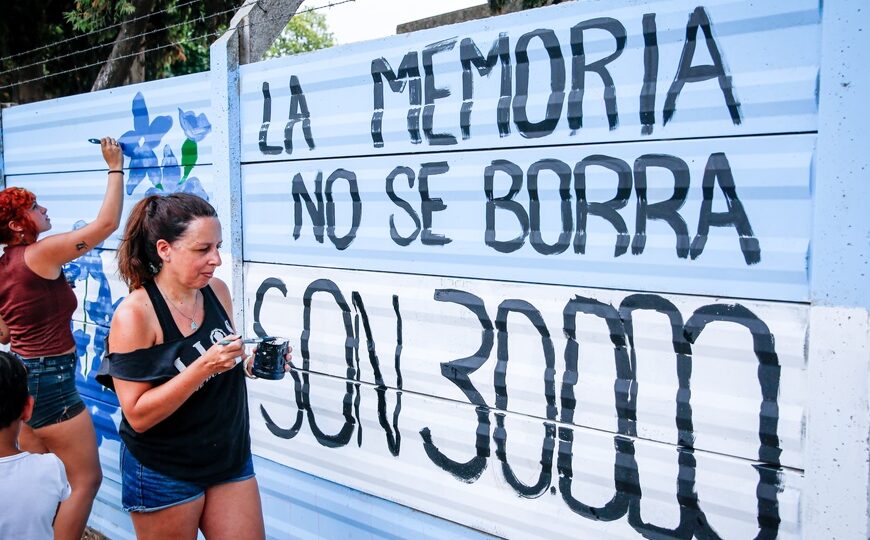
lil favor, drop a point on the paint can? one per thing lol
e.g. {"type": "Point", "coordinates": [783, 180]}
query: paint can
{"type": "Point", "coordinates": [269, 358]}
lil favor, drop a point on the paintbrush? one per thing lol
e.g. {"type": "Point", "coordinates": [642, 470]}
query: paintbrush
{"type": "Point", "coordinates": [247, 341]}
{"type": "Point", "coordinates": [97, 141]}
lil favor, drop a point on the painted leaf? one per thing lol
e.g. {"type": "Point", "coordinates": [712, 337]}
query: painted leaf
{"type": "Point", "coordinates": [188, 157]}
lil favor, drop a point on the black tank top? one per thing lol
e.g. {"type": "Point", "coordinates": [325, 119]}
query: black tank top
{"type": "Point", "coordinates": [207, 439]}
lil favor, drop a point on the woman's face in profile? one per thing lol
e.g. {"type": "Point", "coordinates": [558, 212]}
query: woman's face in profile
{"type": "Point", "coordinates": [39, 216]}
{"type": "Point", "coordinates": [194, 256]}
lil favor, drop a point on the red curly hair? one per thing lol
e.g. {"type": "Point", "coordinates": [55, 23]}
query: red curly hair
{"type": "Point", "coordinates": [15, 202]}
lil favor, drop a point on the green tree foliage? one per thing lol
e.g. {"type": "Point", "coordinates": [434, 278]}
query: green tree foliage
{"type": "Point", "coordinates": [25, 26]}
{"type": "Point", "coordinates": [170, 37]}
{"type": "Point", "coordinates": [306, 31]}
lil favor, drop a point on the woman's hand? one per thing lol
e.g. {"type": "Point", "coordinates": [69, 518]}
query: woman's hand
{"type": "Point", "coordinates": [112, 153]}
{"type": "Point", "coordinates": [223, 355]}
{"type": "Point", "coordinates": [249, 362]}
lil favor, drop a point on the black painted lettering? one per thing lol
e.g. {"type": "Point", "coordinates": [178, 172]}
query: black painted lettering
{"type": "Point", "coordinates": [408, 69]}
{"type": "Point", "coordinates": [429, 205]}
{"type": "Point", "coordinates": [315, 211]}
{"type": "Point", "coordinates": [265, 148]}
{"type": "Point", "coordinates": [350, 345]}
{"type": "Point", "coordinates": [458, 372]}
{"type": "Point", "coordinates": [504, 203]}
{"type": "Point", "coordinates": [650, 74]}
{"type": "Point", "coordinates": [471, 56]}
{"type": "Point", "coordinates": [718, 170]}
{"type": "Point", "coordinates": [298, 112]}
{"type": "Point", "coordinates": [431, 93]}
{"type": "Point", "coordinates": [579, 67]}
{"type": "Point", "coordinates": [284, 433]}
{"type": "Point", "coordinates": [533, 130]}
{"type": "Point", "coordinates": [687, 73]}
{"type": "Point", "coordinates": [769, 376]}
{"type": "Point", "coordinates": [501, 400]}
{"type": "Point", "coordinates": [403, 204]}
{"type": "Point", "coordinates": [625, 481]}
{"type": "Point", "coordinates": [356, 208]}
{"type": "Point", "coordinates": [606, 210]}
{"type": "Point", "coordinates": [668, 210]}
{"type": "Point", "coordinates": [394, 437]}
{"type": "Point", "coordinates": [682, 351]}
{"type": "Point", "coordinates": [563, 172]}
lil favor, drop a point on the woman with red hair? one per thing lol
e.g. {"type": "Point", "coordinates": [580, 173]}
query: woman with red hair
{"type": "Point", "coordinates": [36, 307]}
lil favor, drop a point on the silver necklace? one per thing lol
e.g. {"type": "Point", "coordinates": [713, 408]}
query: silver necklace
{"type": "Point", "coordinates": [193, 325]}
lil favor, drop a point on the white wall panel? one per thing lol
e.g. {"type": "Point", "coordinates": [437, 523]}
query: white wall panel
{"type": "Point", "coordinates": [722, 375]}
{"type": "Point", "coordinates": [588, 483]}
{"type": "Point", "coordinates": [559, 381]}
{"type": "Point", "coordinates": [52, 136]}
{"type": "Point", "coordinates": [449, 214]}
{"type": "Point", "coordinates": [766, 55]}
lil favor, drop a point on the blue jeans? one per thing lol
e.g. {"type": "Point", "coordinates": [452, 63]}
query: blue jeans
{"type": "Point", "coordinates": [51, 380]}
{"type": "Point", "coordinates": [146, 490]}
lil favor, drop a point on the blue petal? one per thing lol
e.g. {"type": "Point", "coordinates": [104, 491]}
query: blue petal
{"type": "Point", "coordinates": [130, 143]}
{"type": "Point", "coordinates": [194, 187]}
{"type": "Point", "coordinates": [171, 170]}
{"type": "Point", "coordinates": [136, 176]}
{"type": "Point", "coordinates": [140, 113]}
{"type": "Point", "coordinates": [82, 340]}
{"type": "Point", "coordinates": [156, 131]}
{"type": "Point", "coordinates": [187, 121]}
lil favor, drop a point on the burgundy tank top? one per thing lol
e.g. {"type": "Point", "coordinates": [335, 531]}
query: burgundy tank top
{"type": "Point", "coordinates": [37, 310]}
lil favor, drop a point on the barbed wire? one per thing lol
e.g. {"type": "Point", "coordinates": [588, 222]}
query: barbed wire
{"type": "Point", "coordinates": [112, 43]}
{"type": "Point", "coordinates": [73, 38]}
{"type": "Point", "coordinates": [102, 62]}
{"type": "Point", "coordinates": [137, 53]}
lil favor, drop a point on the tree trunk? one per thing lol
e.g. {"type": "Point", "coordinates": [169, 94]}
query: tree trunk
{"type": "Point", "coordinates": [118, 67]}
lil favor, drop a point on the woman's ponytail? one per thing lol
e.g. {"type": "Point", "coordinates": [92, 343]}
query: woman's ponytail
{"type": "Point", "coordinates": [135, 263]}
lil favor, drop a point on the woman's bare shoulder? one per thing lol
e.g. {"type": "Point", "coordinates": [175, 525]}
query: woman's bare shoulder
{"type": "Point", "coordinates": [134, 323]}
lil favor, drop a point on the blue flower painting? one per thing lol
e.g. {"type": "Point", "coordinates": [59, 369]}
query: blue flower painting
{"type": "Point", "coordinates": [102, 403]}
{"type": "Point", "coordinates": [195, 127]}
{"type": "Point", "coordinates": [140, 145]}
{"type": "Point", "coordinates": [171, 180]}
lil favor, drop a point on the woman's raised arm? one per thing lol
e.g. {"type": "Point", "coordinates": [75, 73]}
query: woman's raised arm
{"type": "Point", "coordinates": [46, 256]}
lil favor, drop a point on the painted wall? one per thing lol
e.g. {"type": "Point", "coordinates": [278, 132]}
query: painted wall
{"type": "Point", "coordinates": [546, 274]}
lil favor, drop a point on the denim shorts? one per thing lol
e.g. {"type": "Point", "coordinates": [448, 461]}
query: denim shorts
{"type": "Point", "coordinates": [51, 381]}
{"type": "Point", "coordinates": [146, 490]}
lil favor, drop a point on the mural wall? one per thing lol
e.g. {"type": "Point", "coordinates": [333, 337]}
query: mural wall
{"type": "Point", "coordinates": [545, 274]}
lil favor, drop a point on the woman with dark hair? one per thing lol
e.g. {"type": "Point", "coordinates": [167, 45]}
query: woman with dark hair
{"type": "Point", "coordinates": [36, 307]}
{"type": "Point", "coordinates": [174, 363]}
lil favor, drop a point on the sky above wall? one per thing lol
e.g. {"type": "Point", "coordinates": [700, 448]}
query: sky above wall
{"type": "Point", "coordinates": [362, 20]}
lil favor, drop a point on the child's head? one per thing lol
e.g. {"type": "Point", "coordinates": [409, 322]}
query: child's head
{"type": "Point", "coordinates": [13, 389]}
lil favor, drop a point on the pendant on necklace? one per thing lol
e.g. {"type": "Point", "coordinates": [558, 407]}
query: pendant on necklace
{"type": "Point", "coordinates": [193, 325]}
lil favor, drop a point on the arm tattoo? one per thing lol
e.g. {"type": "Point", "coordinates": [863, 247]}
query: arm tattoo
{"type": "Point", "coordinates": [81, 245]}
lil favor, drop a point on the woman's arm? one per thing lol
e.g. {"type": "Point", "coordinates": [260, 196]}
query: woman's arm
{"type": "Point", "coordinates": [134, 327]}
{"type": "Point", "coordinates": [4, 332]}
{"type": "Point", "coordinates": [46, 256]}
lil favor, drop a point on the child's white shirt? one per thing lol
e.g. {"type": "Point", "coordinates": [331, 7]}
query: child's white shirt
{"type": "Point", "coordinates": [31, 487]}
